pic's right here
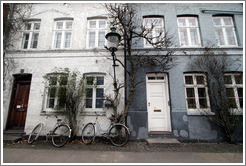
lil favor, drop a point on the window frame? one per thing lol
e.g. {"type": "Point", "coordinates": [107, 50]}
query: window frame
{"type": "Point", "coordinates": [31, 33]}
{"type": "Point", "coordinates": [155, 31]}
{"type": "Point", "coordinates": [56, 98]}
{"type": "Point", "coordinates": [235, 86]}
{"type": "Point", "coordinates": [198, 110]}
{"type": "Point", "coordinates": [94, 88]}
{"type": "Point", "coordinates": [63, 31]}
{"type": "Point", "coordinates": [97, 30]}
{"type": "Point", "coordinates": [224, 33]}
{"type": "Point", "coordinates": [188, 28]}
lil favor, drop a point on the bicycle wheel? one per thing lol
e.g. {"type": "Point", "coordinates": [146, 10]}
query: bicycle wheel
{"type": "Point", "coordinates": [61, 135]}
{"type": "Point", "coordinates": [118, 135]}
{"type": "Point", "coordinates": [35, 133]}
{"type": "Point", "coordinates": [88, 133]}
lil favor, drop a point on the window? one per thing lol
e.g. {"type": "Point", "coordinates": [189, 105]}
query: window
{"type": "Point", "coordinates": [154, 30]}
{"type": "Point", "coordinates": [196, 92]}
{"type": "Point", "coordinates": [97, 29]}
{"type": "Point", "coordinates": [189, 35]}
{"type": "Point", "coordinates": [94, 92]}
{"type": "Point", "coordinates": [62, 34]}
{"type": "Point", "coordinates": [56, 91]}
{"type": "Point", "coordinates": [225, 31]}
{"type": "Point", "coordinates": [234, 89]}
{"type": "Point", "coordinates": [30, 35]}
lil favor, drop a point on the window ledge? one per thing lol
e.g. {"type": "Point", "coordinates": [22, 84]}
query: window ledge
{"type": "Point", "coordinates": [91, 113]}
{"type": "Point", "coordinates": [200, 112]}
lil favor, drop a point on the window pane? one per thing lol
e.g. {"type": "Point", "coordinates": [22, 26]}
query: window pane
{"type": "Point", "coordinates": [192, 21]}
{"type": "Point", "coordinates": [189, 80]}
{"type": "Point", "coordinates": [203, 103]}
{"type": "Point", "coordinates": [190, 92]}
{"type": "Point", "coordinates": [240, 92]}
{"type": "Point", "coordinates": [227, 21]}
{"type": "Point", "coordinates": [69, 25]}
{"type": "Point", "coordinates": [99, 103]}
{"type": "Point", "coordinates": [183, 37]}
{"type": "Point", "coordinates": [35, 40]}
{"type": "Point", "coordinates": [88, 103]}
{"type": "Point", "coordinates": [36, 26]}
{"type": "Point", "coordinates": [151, 78]}
{"type": "Point", "coordinates": [92, 24]}
{"type": "Point", "coordinates": [99, 92]}
{"type": "Point", "coordinates": [61, 97]}
{"type": "Point", "coordinates": [101, 39]}
{"type": "Point", "coordinates": [58, 40]}
{"type": "Point", "coordinates": [200, 80]}
{"type": "Point", "coordinates": [227, 79]}
{"type": "Point", "coordinates": [230, 36]}
{"type": "Point", "coordinates": [231, 102]}
{"type": "Point", "coordinates": [191, 103]}
{"type": "Point", "coordinates": [160, 78]}
{"type": "Point", "coordinates": [52, 92]}
{"type": "Point", "coordinates": [63, 80]}
{"type": "Point", "coordinates": [26, 39]}
{"type": "Point", "coordinates": [67, 39]}
{"type": "Point", "coordinates": [28, 26]}
{"type": "Point", "coordinates": [92, 39]}
{"type": "Point", "coordinates": [241, 102]}
{"type": "Point", "coordinates": [181, 22]}
{"type": "Point", "coordinates": [194, 36]}
{"type": "Point", "coordinates": [59, 25]}
{"type": "Point", "coordinates": [230, 92]}
{"type": "Point", "coordinates": [89, 80]}
{"type": "Point", "coordinates": [51, 103]}
{"type": "Point", "coordinates": [89, 92]}
{"type": "Point", "coordinates": [201, 92]}
{"type": "Point", "coordinates": [239, 79]}
{"type": "Point", "coordinates": [102, 24]}
{"type": "Point", "coordinates": [217, 21]}
{"type": "Point", "coordinates": [220, 36]}
{"type": "Point", "coordinates": [53, 80]}
{"type": "Point", "coordinates": [100, 80]}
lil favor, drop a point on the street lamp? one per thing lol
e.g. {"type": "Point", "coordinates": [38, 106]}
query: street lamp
{"type": "Point", "coordinates": [113, 40]}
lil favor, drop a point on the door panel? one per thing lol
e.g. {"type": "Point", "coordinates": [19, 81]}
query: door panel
{"type": "Point", "coordinates": [158, 108]}
{"type": "Point", "coordinates": [19, 104]}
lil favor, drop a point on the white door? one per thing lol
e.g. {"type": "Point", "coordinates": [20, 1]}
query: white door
{"type": "Point", "coordinates": [157, 102]}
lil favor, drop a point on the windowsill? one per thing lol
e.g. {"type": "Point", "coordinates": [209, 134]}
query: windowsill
{"type": "Point", "coordinates": [93, 113]}
{"type": "Point", "coordinates": [50, 112]}
{"type": "Point", "coordinates": [236, 111]}
{"type": "Point", "coordinates": [200, 112]}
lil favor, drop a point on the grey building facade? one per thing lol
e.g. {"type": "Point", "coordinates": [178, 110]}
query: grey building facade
{"type": "Point", "coordinates": [194, 27]}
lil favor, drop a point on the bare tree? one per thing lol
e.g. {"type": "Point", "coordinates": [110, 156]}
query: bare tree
{"type": "Point", "coordinates": [124, 17]}
{"type": "Point", "coordinates": [14, 17]}
{"type": "Point", "coordinates": [215, 63]}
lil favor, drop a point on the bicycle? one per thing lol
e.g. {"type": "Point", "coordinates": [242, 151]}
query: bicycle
{"type": "Point", "coordinates": [117, 133]}
{"type": "Point", "coordinates": [60, 134]}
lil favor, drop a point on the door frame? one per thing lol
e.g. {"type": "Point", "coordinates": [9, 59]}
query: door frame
{"type": "Point", "coordinates": [18, 78]}
{"type": "Point", "coordinates": [166, 86]}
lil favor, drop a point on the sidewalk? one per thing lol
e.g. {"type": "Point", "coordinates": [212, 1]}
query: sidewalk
{"type": "Point", "coordinates": [133, 152]}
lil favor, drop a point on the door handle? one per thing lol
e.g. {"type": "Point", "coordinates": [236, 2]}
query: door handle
{"type": "Point", "coordinates": [148, 103]}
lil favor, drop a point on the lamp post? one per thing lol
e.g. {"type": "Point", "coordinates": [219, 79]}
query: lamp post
{"type": "Point", "coordinates": [113, 40]}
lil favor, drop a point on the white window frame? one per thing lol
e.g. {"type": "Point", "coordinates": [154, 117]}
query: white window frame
{"type": "Point", "coordinates": [63, 32]}
{"type": "Point", "coordinates": [94, 87]}
{"type": "Point", "coordinates": [187, 28]}
{"type": "Point", "coordinates": [223, 27]}
{"type": "Point", "coordinates": [97, 29]}
{"type": "Point", "coordinates": [235, 86]}
{"type": "Point", "coordinates": [195, 85]}
{"type": "Point", "coordinates": [156, 30]}
{"type": "Point", "coordinates": [56, 98]}
{"type": "Point", "coordinates": [31, 33]}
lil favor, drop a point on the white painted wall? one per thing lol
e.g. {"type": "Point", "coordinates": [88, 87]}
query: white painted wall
{"type": "Point", "coordinates": [43, 60]}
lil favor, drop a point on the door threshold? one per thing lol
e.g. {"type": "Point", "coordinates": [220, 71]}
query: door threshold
{"type": "Point", "coordinates": [160, 133]}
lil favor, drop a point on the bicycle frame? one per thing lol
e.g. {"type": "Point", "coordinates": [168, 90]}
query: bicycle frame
{"type": "Point", "coordinates": [99, 129]}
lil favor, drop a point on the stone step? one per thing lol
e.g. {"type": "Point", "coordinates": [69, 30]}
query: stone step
{"type": "Point", "coordinates": [13, 135]}
{"type": "Point", "coordinates": [163, 142]}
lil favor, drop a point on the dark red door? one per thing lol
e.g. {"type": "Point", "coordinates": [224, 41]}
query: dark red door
{"type": "Point", "coordinates": [19, 104]}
